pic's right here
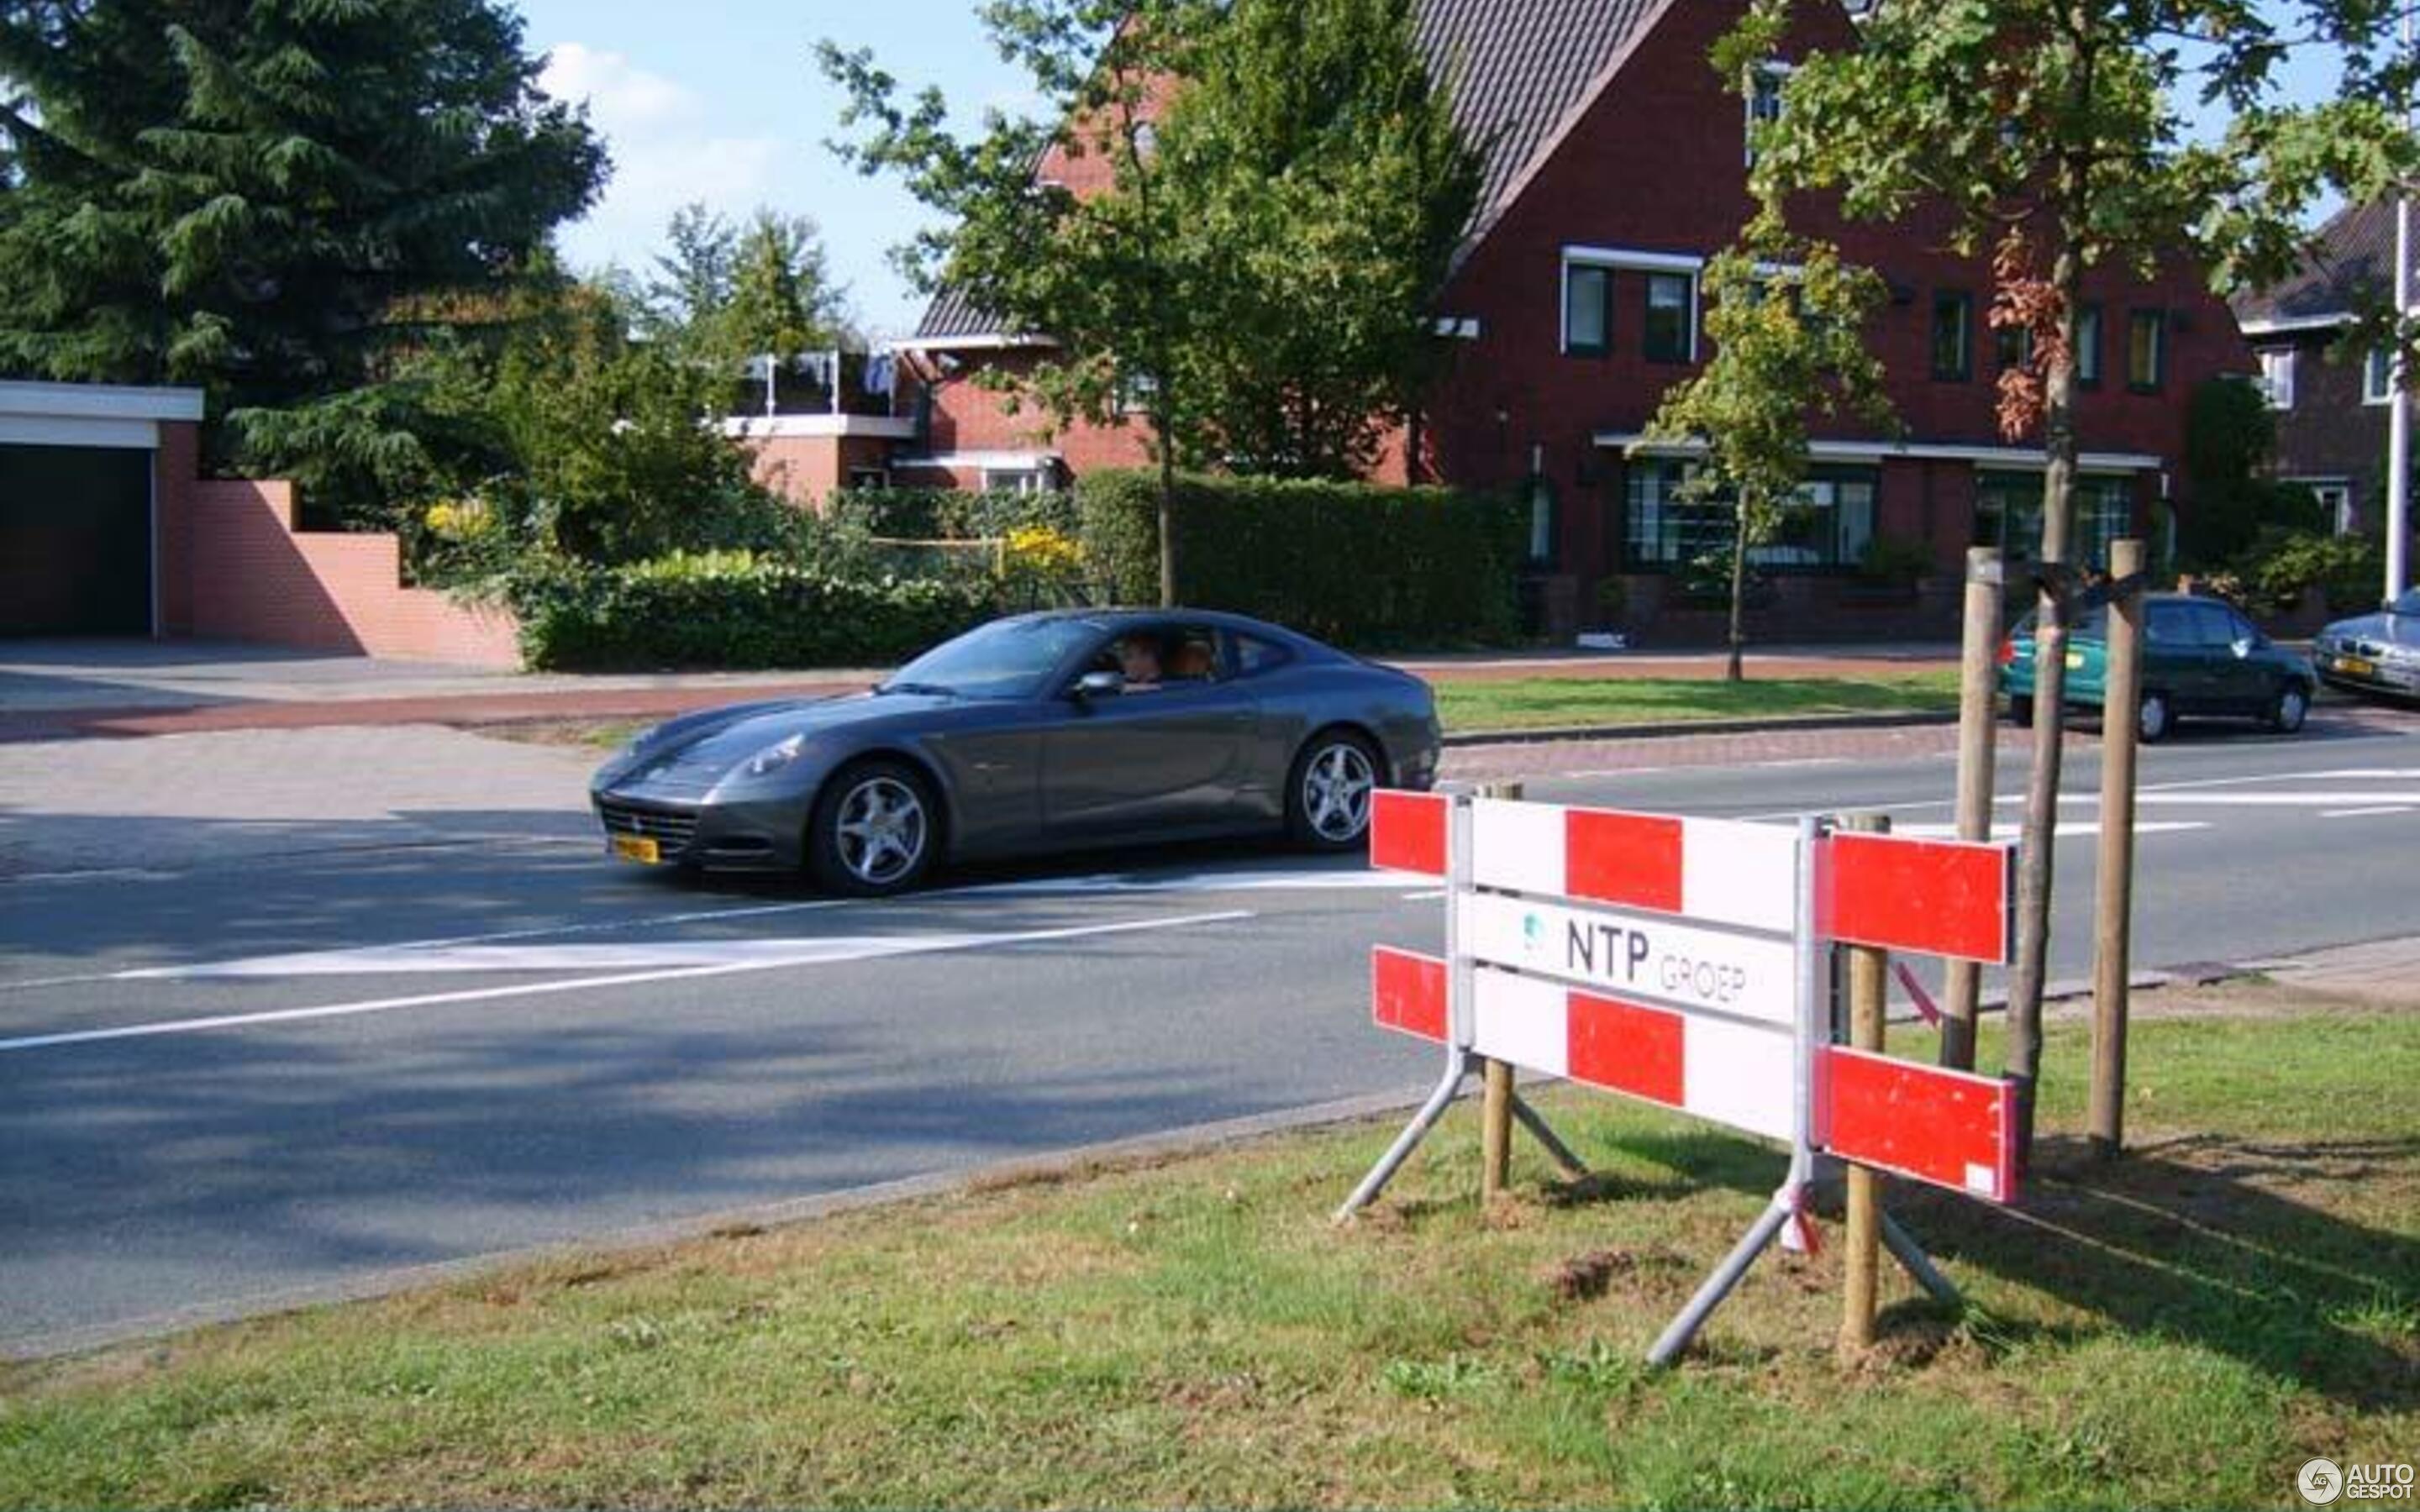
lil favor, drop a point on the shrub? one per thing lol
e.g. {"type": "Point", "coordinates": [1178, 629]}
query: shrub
{"type": "Point", "coordinates": [736, 609]}
{"type": "Point", "coordinates": [950, 514]}
{"type": "Point", "coordinates": [2280, 565]}
{"type": "Point", "coordinates": [1350, 562]}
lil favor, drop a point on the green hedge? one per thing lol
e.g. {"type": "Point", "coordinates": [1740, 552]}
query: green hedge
{"type": "Point", "coordinates": [1353, 564]}
{"type": "Point", "coordinates": [949, 514]}
{"type": "Point", "coordinates": [733, 610]}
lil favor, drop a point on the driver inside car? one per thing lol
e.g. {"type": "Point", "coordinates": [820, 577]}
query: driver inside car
{"type": "Point", "coordinates": [1138, 660]}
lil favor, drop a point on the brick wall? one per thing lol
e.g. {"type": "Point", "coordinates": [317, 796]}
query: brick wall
{"type": "Point", "coordinates": [253, 577]}
{"type": "Point", "coordinates": [175, 466]}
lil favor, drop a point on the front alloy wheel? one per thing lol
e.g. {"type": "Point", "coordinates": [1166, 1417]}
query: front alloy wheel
{"type": "Point", "coordinates": [2293, 705]}
{"type": "Point", "coordinates": [1331, 797]}
{"type": "Point", "coordinates": [874, 832]}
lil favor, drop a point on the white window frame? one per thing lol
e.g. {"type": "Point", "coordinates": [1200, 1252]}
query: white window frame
{"type": "Point", "coordinates": [2334, 495]}
{"type": "Point", "coordinates": [1625, 259]}
{"type": "Point", "coordinates": [1038, 478]}
{"type": "Point", "coordinates": [2277, 377]}
{"type": "Point", "coordinates": [2378, 362]}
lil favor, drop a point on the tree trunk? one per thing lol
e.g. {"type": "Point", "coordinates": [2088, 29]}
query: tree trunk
{"type": "Point", "coordinates": [1167, 518]}
{"type": "Point", "coordinates": [2034, 864]}
{"type": "Point", "coordinates": [1738, 634]}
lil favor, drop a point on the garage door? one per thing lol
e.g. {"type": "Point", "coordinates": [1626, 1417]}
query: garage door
{"type": "Point", "coordinates": [75, 540]}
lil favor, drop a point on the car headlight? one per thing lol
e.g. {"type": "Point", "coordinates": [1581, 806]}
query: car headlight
{"type": "Point", "coordinates": [773, 758]}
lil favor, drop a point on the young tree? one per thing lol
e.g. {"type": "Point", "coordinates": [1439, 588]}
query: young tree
{"type": "Point", "coordinates": [783, 299]}
{"type": "Point", "coordinates": [693, 278]}
{"type": "Point", "coordinates": [2052, 128]}
{"type": "Point", "coordinates": [1243, 252]}
{"type": "Point", "coordinates": [1787, 320]}
{"type": "Point", "coordinates": [272, 199]}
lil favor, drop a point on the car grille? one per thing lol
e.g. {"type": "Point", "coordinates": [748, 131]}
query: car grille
{"type": "Point", "coordinates": [672, 828]}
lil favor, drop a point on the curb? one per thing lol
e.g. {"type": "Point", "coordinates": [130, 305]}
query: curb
{"type": "Point", "coordinates": [1696, 727]}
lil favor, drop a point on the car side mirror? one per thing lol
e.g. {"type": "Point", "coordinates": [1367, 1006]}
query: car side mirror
{"type": "Point", "coordinates": [2245, 648]}
{"type": "Point", "coordinates": [1099, 686]}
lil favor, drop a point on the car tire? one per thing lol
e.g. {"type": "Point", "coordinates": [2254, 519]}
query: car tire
{"type": "Point", "coordinates": [2290, 707]}
{"type": "Point", "coordinates": [1328, 790]}
{"type": "Point", "coordinates": [875, 830]}
{"type": "Point", "coordinates": [2154, 719]}
{"type": "Point", "coordinates": [2020, 710]}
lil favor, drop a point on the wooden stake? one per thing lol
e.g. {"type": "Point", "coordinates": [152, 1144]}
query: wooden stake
{"type": "Point", "coordinates": [1496, 1101]}
{"type": "Point", "coordinates": [1867, 997]}
{"type": "Point", "coordinates": [2113, 899]}
{"type": "Point", "coordinates": [1977, 744]}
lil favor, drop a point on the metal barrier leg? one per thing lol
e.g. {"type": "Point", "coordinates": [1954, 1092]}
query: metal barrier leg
{"type": "Point", "coordinates": [1919, 1265]}
{"type": "Point", "coordinates": [1531, 1119]}
{"type": "Point", "coordinates": [1678, 1333]}
{"type": "Point", "coordinates": [1457, 1067]}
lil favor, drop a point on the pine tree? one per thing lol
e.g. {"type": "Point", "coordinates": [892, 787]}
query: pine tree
{"type": "Point", "coordinates": [276, 200]}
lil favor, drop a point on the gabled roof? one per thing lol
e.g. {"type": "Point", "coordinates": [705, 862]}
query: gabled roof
{"type": "Point", "coordinates": [2353, 259]}
{"type": "Point", "coordinates": [1520, 72]}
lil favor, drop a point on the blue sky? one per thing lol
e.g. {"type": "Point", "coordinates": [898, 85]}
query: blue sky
{"type": "Point", "coordinates": [719, 102]}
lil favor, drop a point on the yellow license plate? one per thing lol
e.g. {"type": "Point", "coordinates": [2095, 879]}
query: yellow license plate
{"type": "Point", "coordinates": [638, 848]}
{"type": "Point", "coordinates": [2355, 666]}
{"type": "Point", "coordinates": [2075, 661]}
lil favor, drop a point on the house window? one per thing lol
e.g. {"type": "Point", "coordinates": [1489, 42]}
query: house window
{"type": "Point", "coordinates": [1541, 522]}
{"type": "Point", "coordinates": [1588, 307]}
{"type": "Point", "coordinates": [1763, 100]}
{"type": "Point", "coordinates": [2007, 514]}
{"type": "Point", "coordinates": [2147, 350]}
{"type": "Point", "coordinates": [1036, 479]}
{"type": "Point", "coordinates": [2277, 377]}
{"type": "Point", "coordinates": [869, 477]}
{"type": "Point", "coordinates": [1830, 525]}
{"type": "Point", "coordinates": [2012, 346]}
{"type": "Point", "coordinates": [2335, 496]}
{"type": "Point", "coordinates": [2088, 346]}
{"type": "Point", "coordinates": [1670, 333]}
{"type": "Point", "coordinates": [1135, 391]}
{"type": "Point", "coordinates": [2378, 377]}
{"type": "Point", "coordinates": [1953, 336]}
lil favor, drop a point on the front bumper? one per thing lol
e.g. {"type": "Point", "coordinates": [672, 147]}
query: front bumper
{"type": "Point", "coordinates": [2349, 670]}
{"type": "Point", "coordinates": [701, 833]}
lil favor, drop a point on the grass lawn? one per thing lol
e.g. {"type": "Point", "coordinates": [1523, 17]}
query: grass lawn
{"type": "Point", "coordinates": [1532, 703]}
{"type": "Point", "coordinates": [2182, 1329]}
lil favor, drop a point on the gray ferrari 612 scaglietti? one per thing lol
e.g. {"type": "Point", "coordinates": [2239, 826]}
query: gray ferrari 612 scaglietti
{"type": "Point", "coordinates": [1047, 731]}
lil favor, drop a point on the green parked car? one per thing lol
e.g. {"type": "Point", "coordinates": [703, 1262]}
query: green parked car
{"type": "Point", "coordinates": [2201, 658]}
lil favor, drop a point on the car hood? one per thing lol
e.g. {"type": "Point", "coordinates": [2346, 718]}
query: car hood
{"type": "Point", "coordinates": [699, 748]}
{"type": "Point", "coordinates": [2387, 629]}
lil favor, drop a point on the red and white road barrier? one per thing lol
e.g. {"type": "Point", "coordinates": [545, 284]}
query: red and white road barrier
{"type": "Point", "coordinates": [1681, 960]}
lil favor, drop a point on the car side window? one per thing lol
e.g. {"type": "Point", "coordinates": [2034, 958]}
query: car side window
{"type": "Point", "coordinates": [1254, 655]}
{"type": "Point", "coordinates": [2165, 625]}
{"type": "Point", "coordinates": [1156, 656]}
{"type": "Point", "coordinates": [2212, 626]}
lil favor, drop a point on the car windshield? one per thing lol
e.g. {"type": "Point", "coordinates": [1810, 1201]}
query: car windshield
{"type": "Point", "coordinates": [2408, 604]}
{"type": "Point", "coordinates": [1006, 658]}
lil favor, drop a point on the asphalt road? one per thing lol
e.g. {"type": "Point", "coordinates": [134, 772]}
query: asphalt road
{"type": "Point", "coordinates": [221, 1081]}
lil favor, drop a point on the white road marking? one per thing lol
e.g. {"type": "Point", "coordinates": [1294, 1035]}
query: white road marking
{"type": "Point", "coordinates": [1303, 881]}
{"type": "Point", "coordinates": [2246, 800]}
{"type": "Point", "coordinates": [905, 944]}
{"type": "Point", "coordinates": [2364, 813]}
{"type": "Point", "coordinates": [2068, 830]}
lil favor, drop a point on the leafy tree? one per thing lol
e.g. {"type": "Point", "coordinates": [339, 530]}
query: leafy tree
{"type": "Point", "coordinates": [2230, 434]}
{"type": "Point", "coordinates": [2052, 131]}
{"type": "Point", "coordinates": [1787, 319]}
{"type": "Point", "coordinates": [726, 293]}
{"type": "Point", "coordinates": [273, 199]}
{"type": "Point", "coordinates": [1232, 221]}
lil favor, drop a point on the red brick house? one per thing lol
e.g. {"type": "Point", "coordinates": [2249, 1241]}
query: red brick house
{"type": "Point", "coordinates": [2330, 394]}
{"type": "Point", "coordinates": [1616, 169]}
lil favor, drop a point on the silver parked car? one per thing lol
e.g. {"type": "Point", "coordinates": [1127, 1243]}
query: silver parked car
{"type": "Point", "coordinates": [2377, 651]}
{"type": "Point", "coordinates": [1040, 733]}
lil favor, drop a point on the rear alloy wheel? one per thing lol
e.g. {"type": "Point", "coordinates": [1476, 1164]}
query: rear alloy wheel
{"type": "Point", "coordinates": [874, 832]}
{"type": "Point", "coordinates": [1327, 797]}
{"type": "Point", "coordinates": [2293, 705]}
{"type": "Point", "coordinates": [2155, 720]}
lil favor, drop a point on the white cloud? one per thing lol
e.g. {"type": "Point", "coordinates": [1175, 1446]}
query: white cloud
{"type": "Point", "coordinates": [619, 93]}
{"type": "Point", "coordinates": [665, 154]}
